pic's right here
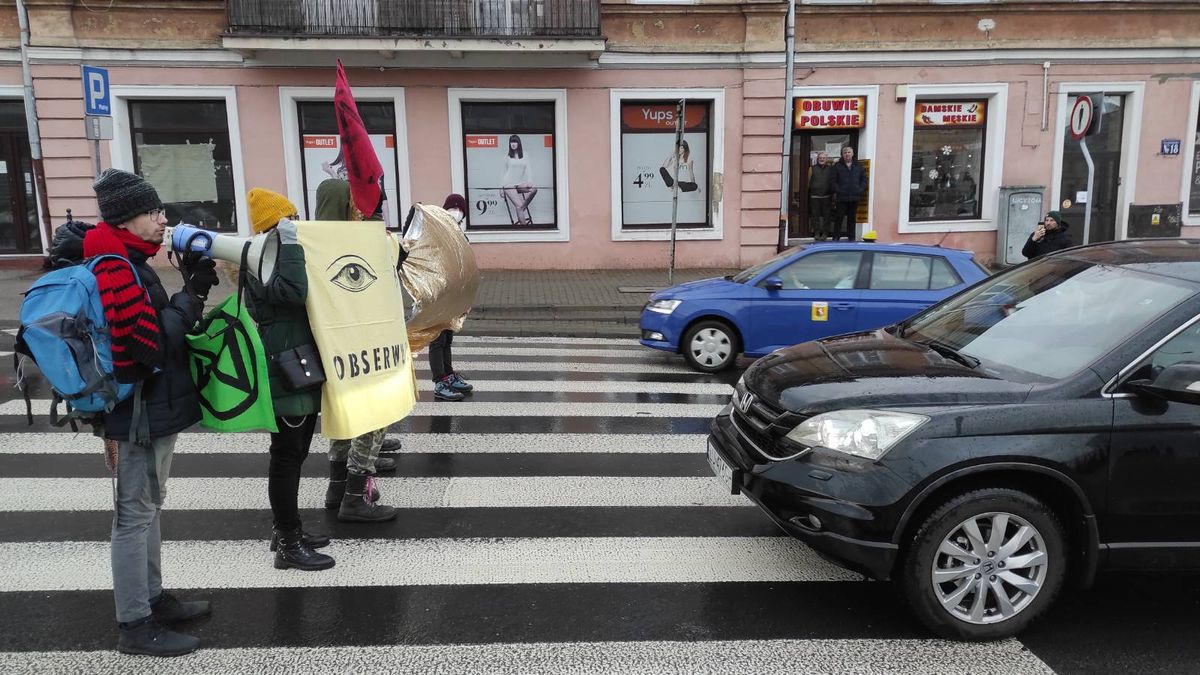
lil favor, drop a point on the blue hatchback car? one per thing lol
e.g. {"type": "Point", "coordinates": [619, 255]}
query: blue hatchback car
{"type": "Point", "coordinates": [802, 294]}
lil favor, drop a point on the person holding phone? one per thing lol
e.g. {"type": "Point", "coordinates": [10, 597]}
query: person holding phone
{"type": "Point", "coordinates": [1050, 236]}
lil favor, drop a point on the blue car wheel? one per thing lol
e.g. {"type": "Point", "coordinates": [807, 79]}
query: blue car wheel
{"type": "Point", "coordinates": [710, 346]}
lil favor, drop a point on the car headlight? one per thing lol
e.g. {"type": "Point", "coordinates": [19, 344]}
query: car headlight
{"type": "Point", "coordinates": [862, 433]}
{"type": "Point", "coordinates": [662, 306]}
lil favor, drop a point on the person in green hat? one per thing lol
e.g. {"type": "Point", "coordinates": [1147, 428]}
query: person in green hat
{"type": "Point", "coordinates": [1050, 236]}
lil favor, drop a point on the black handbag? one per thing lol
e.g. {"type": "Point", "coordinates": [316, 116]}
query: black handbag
{"type": "Point", "coordinates": [301, 367]}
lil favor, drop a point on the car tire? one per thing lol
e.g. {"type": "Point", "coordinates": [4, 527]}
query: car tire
{"type": "Point", "coordinates": [945, 544]}
{"type": "Point", "coordinates": [710, 346]}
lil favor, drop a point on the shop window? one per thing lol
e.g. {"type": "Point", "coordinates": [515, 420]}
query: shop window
{"type": "Point", "coordinates": [896, 271]}
{"type": "Point", "coordinates": [947, 160]}
{"type": "Point", "coordinates": [182, 148]}
{"type": "Point", "coordinates": [321, 152]}
{"type": "Point", "coordinates": [649, 175]}
{"type": "Point", "coordinates": [1194, 190]}
{"type": "Point", "coordinates": [509, 159]}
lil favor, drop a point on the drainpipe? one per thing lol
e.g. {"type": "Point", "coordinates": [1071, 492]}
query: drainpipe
{"type": "Point", "coordinates": [1045, 95]}
{"type": "Point", "coordinates": [790, 75]}
{"type": "Point", "coordinates": [31, 125]}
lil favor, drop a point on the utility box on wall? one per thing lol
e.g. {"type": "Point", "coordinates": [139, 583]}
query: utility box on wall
{"type": "Point", "coordinates": [1155, 220]}
{"type": "Point", "coordinates": [1020, 213]}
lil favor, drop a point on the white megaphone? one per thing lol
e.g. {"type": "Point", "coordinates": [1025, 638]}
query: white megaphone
{"type": "Point", "coordinates": [260, 259]}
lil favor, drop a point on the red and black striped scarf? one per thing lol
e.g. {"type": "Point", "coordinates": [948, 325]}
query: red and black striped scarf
{"type": "Point", "coordinates": [132, 321]}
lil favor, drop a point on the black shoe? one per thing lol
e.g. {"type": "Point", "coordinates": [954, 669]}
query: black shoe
{"type": "Point", "coordinates": [151, 638]}
{"type": "Point", "coordinates": [310, 540]}
{"type": "Point", "coordinates": [356, 509]}
{"type": "Point", "coordinates": [390, 445]}
{"type": "Point", "coordinates": [169, 610]}
{"type": "Point", "coordinates": [385, 465]}
{"type": "Point", "coordinates": [294, 553]}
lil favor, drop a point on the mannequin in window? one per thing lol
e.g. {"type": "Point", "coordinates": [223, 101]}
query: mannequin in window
{"type": "Point", "coordinates": [517, 183]}
{"type": "Point", "coordinates": [684, 153]}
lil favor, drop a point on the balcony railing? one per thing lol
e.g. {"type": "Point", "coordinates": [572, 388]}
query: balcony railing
{"type": "Point", "coordinates": [415, 18]}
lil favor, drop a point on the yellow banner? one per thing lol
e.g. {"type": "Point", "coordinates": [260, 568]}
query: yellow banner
{"type": "Point", "coordinates": [356, 310]}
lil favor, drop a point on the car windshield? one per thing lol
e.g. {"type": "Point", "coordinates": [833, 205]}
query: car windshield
{"type": "Point", "coordinates": [1044, 321]}
{"type": "Point", "coordinates": [749, 273]}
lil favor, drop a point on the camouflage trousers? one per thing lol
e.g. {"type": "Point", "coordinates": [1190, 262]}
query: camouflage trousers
{"type": "Point", "coordinates": [359, 453]}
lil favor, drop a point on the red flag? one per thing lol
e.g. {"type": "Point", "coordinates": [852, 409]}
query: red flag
{"type": "Point", "coordinates": [363, 168]}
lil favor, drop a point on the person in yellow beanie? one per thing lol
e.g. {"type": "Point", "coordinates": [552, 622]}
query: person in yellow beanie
{"type": "Point", "coordinates": [267, 208]}
{"type": "Point", "coordinates": [277, 306]}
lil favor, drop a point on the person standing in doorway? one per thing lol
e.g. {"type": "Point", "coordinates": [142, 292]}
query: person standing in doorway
{"type": "Point", "coordinates": [820, 196]}
{"type": "Point", "coordinates": [849, 182]}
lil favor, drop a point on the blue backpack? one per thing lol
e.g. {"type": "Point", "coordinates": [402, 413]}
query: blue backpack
{"type": "Point", "coordinates": [64, 331]}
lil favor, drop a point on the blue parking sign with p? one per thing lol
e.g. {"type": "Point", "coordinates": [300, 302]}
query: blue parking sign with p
{"type": "Point", "coordinates": [96, 99]}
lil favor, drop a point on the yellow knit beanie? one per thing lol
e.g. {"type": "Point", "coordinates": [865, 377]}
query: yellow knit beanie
{"type": "Point", "coordinates": [267, 208]}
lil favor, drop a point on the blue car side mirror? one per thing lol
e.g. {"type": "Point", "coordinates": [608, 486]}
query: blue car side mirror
{"type": "Point", "coordinates": [773, 284]}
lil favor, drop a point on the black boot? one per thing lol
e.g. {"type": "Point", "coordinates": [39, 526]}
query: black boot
{"type": "Point", "coordinates": [385, 465]}
{"type": "Point", "coordinates": [337, 488]}
{"type": "Point", "coordinates": [357, 509]}
{"type": "Point", "coordinates": [310, 540]}
{"type": "Point", "coordinates": [294, 553]}
{"type": "Point", "coordinates": [337, 485]}
{"type": "Point", "coordinates": [151, 638]}
{"type": "Point", "coordinates": [168, 609]}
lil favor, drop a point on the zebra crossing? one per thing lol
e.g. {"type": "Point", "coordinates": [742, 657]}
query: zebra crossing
{"type": "Point", "coordinates": [562, 520]}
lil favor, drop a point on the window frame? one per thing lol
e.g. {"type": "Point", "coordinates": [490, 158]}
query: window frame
{"type": "Point", "coordinates": [1190, 157]}
{"type": "Point", "coordinates": [716, 152]}
{"type": "Point", "coordinates": [473, 228]}
{"type": "Point", "coordinates": [456, 97]}
{"type": "Point", "coordinates": [289, 100]}
{"type": "Point", "coordinates": [120, 147]}
{"type": "Point", "coordinates": [996, 97]}
{"type": "Point", "coordinates": [983, 152]}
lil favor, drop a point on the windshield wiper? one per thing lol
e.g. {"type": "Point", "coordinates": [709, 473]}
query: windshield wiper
{"type": "Point", "coordinates": [952, 353]}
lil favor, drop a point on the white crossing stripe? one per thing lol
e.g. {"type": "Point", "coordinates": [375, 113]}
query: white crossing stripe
{"type": "Point", "coordinates": [716, 657]}
{"type": "Point", "coordinates": [505, 409]}
{"type": "Point", "coordinates": [95, 494]}
{"type": "Point", "coordinates": [565, 342]}
{"type": "Point", "coordinates": [641, 352]}
{"type": "Point", "coordinates": [52, 566]}
{"type": "Point", "coordinates": [217, 443]}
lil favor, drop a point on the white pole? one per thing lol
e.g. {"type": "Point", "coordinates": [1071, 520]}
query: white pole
{"type": "Point", "coordinates": [789, 77]}
{"type": "Point", "coordinates": [1087, 207]}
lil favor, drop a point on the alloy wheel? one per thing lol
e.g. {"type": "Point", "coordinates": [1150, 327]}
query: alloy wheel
{"type": "Point", "coordinates": [711, 347]}
{"type": "Point", "coordinates": [989, 568]}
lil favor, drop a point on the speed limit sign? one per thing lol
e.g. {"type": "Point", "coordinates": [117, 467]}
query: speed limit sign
{"type": "Point", "coordinates": [1082, 113]}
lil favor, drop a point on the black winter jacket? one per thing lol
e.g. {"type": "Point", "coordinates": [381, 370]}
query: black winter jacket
{"type": "Point", "coordinates": [849, 182]}
{"type": "Point", "coordinates": [1054, 240]}
{"type": "Point", "coordinates": [170, 398]}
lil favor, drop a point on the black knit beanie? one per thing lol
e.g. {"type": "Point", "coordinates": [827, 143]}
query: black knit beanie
{"type": "Point", "coordinates": [124, 196]}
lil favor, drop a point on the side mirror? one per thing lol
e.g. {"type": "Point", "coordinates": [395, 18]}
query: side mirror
{"type": "Point", "coordinates": [1179, 382]}
{"type": "Point", "coordinates": [773, 284]}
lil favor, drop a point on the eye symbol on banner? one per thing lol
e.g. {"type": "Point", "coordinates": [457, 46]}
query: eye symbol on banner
{"type": "Point", "coordinates": [353, 273]}
{"type": "Point", "coordinates": [820, 311]}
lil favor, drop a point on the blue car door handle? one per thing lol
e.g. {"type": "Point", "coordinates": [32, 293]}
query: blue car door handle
{"type": "Point", "coordinates": [843, 305]}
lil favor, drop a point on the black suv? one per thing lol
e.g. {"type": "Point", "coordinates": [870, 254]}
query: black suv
{"type": "Point", "coordinates": [1039, 426]}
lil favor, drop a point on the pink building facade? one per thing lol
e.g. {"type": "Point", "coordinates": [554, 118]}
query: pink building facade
{"type": "Point", "coordinates": [563, 142]}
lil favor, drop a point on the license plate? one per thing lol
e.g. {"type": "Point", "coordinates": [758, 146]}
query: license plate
{"type": "Point", "coordinates": [721, 470]}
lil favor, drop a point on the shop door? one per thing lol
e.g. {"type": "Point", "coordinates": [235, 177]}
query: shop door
{"type": "Point", "coordinates": [1105, 200]}
{"type": "Point", "coordinates": [805, 146]}
{"type": "Point", "coordinates": [19, 232]}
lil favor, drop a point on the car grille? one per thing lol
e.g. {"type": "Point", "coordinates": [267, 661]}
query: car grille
{"type": "Point", "coordinates": [759, 425]}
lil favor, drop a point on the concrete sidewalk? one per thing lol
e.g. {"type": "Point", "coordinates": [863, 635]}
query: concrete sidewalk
{"type": "Point", "coordinates": [582, 303]}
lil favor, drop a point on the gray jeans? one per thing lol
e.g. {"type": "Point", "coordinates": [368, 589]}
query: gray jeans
{"type": "Point", "coordinates": [136, 539]}
{"type": "Point", "coordinates": [359, 453]}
